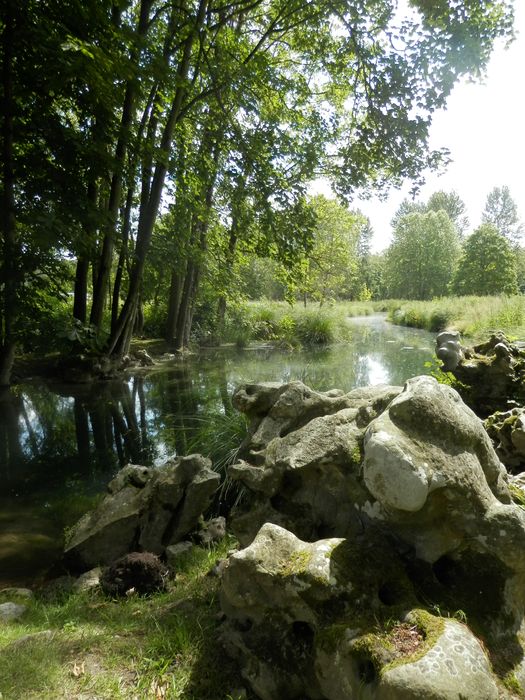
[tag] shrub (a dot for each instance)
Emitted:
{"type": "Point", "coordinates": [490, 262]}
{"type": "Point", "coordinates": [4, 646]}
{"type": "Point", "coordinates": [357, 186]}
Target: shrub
{"type": "Point", "coordinates": [315, 329]}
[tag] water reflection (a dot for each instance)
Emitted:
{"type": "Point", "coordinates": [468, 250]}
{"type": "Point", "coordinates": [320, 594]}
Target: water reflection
{"type": "Point", "coordinates": [50, 434]}
{"type": "Point", "coordinates": [62, 443]}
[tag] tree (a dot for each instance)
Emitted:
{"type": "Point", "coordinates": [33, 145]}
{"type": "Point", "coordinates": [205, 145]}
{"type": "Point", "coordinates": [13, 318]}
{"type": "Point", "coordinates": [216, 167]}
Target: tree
{"type": "Point", "coordinates": [487, 265]}
{"type": "Point", "coordinates": [501, 211]}
{"type": "Point", "coordinates": [363, 253]}
{"type": "Point", "coordinates": [330, 266]}
{"type": "Point", "coordinates": [422, 258]}
{"type": "Point", "coordinates": [452, 204]}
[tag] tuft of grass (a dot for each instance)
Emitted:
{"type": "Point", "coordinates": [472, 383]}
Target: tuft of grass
{"type": "Point", "coordinates": [280, 323]}
{"type": "Point", "coordinates": [86, 645]}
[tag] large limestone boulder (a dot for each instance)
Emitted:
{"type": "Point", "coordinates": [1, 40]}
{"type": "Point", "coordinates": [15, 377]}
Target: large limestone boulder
{"type": "Point", "coordinates": [337, 620]}
{"type": "Point", "coordinates": [364, 514]}
{"type": "Point", "coordinates": [301, 460]}
{"type": "Point", "coordinates": [449, 349]}
{"type": "Point", "coordinates": [145, 509]}
{"type": "Point", "coordinates": [403, 664]}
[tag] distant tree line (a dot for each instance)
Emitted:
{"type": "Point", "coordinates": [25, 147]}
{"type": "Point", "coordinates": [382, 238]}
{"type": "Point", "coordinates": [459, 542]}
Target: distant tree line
{"type": "Point", "coordinates": [431, 255]}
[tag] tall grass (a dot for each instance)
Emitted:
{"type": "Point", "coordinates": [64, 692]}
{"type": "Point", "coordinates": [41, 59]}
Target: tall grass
{"type": "Point", "coordinates": [472, 316]}
{"type": "Point", "coordinates": [291, 326]}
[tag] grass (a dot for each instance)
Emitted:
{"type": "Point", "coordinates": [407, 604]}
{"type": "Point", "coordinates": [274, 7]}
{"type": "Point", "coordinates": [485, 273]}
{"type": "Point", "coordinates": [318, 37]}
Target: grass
{"type": "Point", "coordinates": [280, 323]}
{"type": "Point", "coordinates": [474, 317]}
{"type": "Point", "coordinates": [162, 646]}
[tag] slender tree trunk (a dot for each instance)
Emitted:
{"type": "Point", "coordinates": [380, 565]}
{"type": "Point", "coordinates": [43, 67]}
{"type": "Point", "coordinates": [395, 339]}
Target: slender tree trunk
{"type": "Point", "coordinates": [184, 306]}
{"type": "Point", "coordinates": [121, 335]}
{"type": "Point", "coordinates": [8, 311]}
{"type": "Point", "coordinates": [230, 255]}
{"type": "Point", "coordinates": [81, 285]}
{"type": "Point", "coordinates": [128, 111]}
{"type": "Point", "coordinates": [173, 305]}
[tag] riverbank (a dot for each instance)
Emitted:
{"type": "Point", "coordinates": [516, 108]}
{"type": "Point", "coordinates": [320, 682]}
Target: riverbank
{"type": "Point", "coordinates": [474, 317]}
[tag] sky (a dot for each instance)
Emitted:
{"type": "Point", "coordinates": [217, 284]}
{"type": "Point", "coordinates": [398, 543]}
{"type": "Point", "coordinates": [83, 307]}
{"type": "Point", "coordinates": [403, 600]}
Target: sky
{"type": "Point", "coordinates": [483, 126]}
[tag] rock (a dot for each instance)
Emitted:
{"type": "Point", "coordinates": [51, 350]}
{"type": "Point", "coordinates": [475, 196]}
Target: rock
{"type": "Point", "coordinates": [57, 588]}
{"type": "Point", "coordinates": [306, 478]}
{"type": "Point", "coordinates": [11, 611]}
{"type": "Point", "coordinates": [175, 552]}
{"type": "Point", "coordinates": [219, 568]}
{"type": "Point", "coordinates": [146, 509]}
{"type": "Point", "coordinates": [19, 593]}
{"type": "Point", "coordinates": [453, 666]}
{"type": "Point", "coordinates": [449, 349]}
{"type": "Point", "coordinates": [276, 410]}
{"type": "Point", "coordinates": [141, 572]}
{"type": "Point", "coordinates": [507, 431]}
{"type": "Point", "coordinates": [130, 475]}
{"type": "Point", "coordinates": [212, 531]}
{"type": "Point", "coordinates": [88, 580]}
{"type": "Point", "coordinates": [106, 533]}
{"type": "Point", "coordinates": [178, 495]}
{"type": "Point", "coordinates": [353, 517]}
{"type": "Point", "coordinates": [43, 636]}
{"type": "Point", "coordinates": [493, 375]}
{"type": "Point", "coordinates": [143, 358]}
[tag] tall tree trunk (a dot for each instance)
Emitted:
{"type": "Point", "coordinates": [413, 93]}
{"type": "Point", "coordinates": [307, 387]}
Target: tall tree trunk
{"type": "Point", "coordinates": [121, 335]}
{"type": "Point", "coordinates": [128, 111]}
{"type": "Point", "coordinates": [8, 311]}
{"type": "Point", "coordinates": [230, 255]}
{"type": "Point", "coordinates": [173, 305]}
{"type": "Point", "coordinates": [81, 285]}
{"type": "Point", "coordinates": [184, 306]}
{"type": "Point", "coordinates": [201, 224]}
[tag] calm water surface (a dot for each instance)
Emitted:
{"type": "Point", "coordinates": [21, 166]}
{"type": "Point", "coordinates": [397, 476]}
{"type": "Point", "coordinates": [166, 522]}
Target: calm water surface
{"type": "Point", "coordinates": [60, 445]}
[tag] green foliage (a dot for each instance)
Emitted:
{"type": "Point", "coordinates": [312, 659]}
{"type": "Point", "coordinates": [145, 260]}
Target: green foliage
{"type": "Point", "coordinates": [154, 319]}
{"type": "Point", "coordinates": [487, 265]}
{"type": "Point", "coordinates": [314, 328]}
{"type": "Point", "coordinates": [501, 211]}
{"type": "Point", "coordinates": [329, 270]}
{"type": "Point", "coordinates": [452, 204]}
{"type": "Point", "coordinates": [291, 326]}
{"type": "Point", "coordinates": [82, 337]}
{"type": "Point", "coordinates": [422, 257]}
{"type": "Point", "coordinates": [113, 105]}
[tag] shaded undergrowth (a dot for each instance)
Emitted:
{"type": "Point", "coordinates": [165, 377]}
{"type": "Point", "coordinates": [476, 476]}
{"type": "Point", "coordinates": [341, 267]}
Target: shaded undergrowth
{"type": "Point", "coordinates": [84, 645]}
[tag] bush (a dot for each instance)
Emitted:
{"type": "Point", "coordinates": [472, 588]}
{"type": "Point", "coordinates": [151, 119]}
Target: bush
{"type": "Point", "coordinates": [315, 328]}
{"type": "Point", "coordinates": [155, 316]}
{"type": "Point", "coordinates": [439, 320]}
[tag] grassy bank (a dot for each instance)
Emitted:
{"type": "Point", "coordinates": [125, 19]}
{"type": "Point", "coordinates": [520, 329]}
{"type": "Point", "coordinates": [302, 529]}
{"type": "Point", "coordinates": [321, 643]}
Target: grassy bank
{"type": "Point", "coordinates": [293, 326]}
{"type": "Point", "coordinates": [84, 645]}
{"type": "Point", "coordinates": [473, 317]}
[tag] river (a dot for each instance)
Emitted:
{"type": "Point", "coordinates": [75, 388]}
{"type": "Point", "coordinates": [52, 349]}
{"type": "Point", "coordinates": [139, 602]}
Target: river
{"type": "Point", "coordinates": [60, 445]}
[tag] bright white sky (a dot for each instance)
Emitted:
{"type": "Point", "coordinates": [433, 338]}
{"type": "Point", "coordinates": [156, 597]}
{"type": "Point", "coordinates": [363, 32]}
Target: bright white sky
{"type": "Point", "coordinates": [483, 126]}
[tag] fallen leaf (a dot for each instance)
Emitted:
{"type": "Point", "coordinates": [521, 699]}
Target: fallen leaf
{"type": "Point", "coordinates": [78, 670]}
